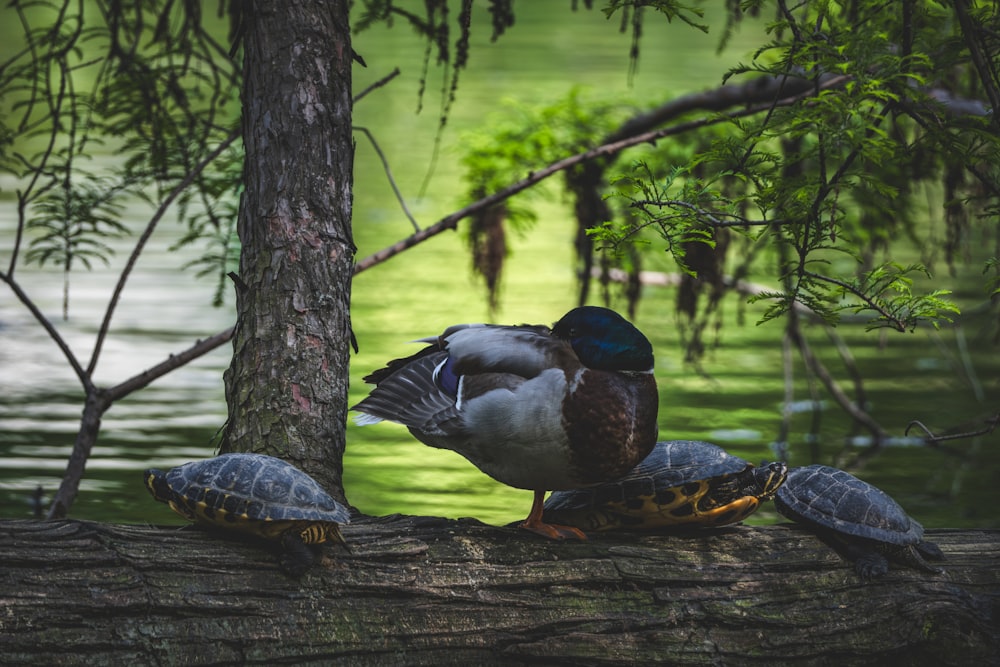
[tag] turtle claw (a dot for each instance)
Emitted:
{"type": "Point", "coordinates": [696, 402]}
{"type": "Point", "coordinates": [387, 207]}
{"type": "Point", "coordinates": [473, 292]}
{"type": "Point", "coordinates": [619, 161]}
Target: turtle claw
{"type": "Point", "coordinates": [929, 550]}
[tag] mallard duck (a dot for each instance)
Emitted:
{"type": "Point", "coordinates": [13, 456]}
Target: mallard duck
{"type": "Point", "coordinates": [532, 407]}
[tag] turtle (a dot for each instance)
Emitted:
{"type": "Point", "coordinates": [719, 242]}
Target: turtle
{"type": "Point", "coordinates": [680, 483]}
{"type": "Point", "coordinates": [258, 495]}
{"type": "Point", "coordinates": [858, 520]}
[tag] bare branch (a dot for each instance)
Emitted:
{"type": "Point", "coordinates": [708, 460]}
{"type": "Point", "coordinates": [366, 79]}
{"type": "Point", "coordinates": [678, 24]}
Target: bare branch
{"type": "Point", "coordinates": [97, 403]}
{"type": "Point", "coordinates": [53, 333]}
{"type": "Point", "coordinates": [378, 84]}
{"type": "Point", "coordinates": [758, 90]}
{"type": "Point", "coordinates": [388, 175]}
{"type": "Point", "coordinates": [146, 234]}
{"type": "Point", "coordinates": [451, 221]}
{"type": "Point", "coordinates": [991, 425]}
{"type": "Point", "coordinates": [817, 367]}
{"type": "Point", "coordinates": [172, 362]}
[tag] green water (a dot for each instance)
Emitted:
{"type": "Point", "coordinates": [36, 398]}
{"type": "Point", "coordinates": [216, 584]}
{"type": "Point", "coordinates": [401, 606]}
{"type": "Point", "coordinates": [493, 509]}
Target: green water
{"type": "Point", "coordinates": [735, 399]}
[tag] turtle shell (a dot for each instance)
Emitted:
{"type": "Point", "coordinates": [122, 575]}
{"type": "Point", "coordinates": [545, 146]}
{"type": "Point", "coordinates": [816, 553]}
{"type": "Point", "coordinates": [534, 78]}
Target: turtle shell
{"type": "Point", "coordinates": [837, 500]}
{"type": "Point", "coordinates": [254, 493]}
{"type": "Point", "coordinates": [680, 482]}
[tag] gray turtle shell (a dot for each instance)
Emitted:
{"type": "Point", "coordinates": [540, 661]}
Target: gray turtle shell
{"type": "Point", "coordinates": [672, 463]}
{"type": "Point", "coordinates": [837, 500]}
{"type": "Point", "coordinates": [261, 487]}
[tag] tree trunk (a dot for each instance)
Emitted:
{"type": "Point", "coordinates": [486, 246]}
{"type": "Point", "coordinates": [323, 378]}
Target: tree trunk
{"type": "Point", "coordinates": [287, 384]}
{"type": "Point", "coordinates": [424, 591]}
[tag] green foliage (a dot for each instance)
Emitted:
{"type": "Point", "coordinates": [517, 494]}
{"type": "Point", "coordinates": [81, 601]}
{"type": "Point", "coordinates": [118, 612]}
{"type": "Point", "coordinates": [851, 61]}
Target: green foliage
{"type": "Point", "coordinates": [70, 224]}
{"type": "Point", "coordinates": [522, 138]}
{"type": "Point", "coordinates": [816, 187]}
{"type": "Point", "coordinates": [107, 105]}
{"type": "Point", "coordinates": [837, 172]}
{"type": "Point", "coordinates": [670, 9]}
{"type": "Point", "coordinates": [515, 142]}
{"type": "Point", "coordinates": [887, 292]}
{"type": "Point", "coordinates": [884, 292]}
{"type": "Point", "coordinates": [993, 283]}
{"type": "Point", "coordinates": [679, 218]}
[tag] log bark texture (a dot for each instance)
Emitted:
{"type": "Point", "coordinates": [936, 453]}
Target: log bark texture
{"type": "Point", "coordinates": [427, 591]}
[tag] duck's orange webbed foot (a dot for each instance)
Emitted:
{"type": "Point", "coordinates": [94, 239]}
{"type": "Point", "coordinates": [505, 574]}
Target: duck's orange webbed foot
{"type": "Point", "coordinates": [553, 531]}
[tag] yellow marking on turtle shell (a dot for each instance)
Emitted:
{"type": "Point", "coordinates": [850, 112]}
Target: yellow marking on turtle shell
{"type": "Point", "coordinates": [314, 532]}
{"type": "Point", "coordinates": [693, 506]}
{"type": "Point", "coordinates": [182, 510]}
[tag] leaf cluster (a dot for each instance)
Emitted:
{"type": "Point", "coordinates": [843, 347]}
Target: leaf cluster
{"type": "Point", "coordinates": [105, 104]}
{"type": "Point", "coordinates": [838, 173]}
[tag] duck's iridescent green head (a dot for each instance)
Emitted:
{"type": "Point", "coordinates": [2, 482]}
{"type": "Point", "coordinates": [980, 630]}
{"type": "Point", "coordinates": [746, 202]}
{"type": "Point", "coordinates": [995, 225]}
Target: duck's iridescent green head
{"type": "Point", "coordinates": [604, 340]}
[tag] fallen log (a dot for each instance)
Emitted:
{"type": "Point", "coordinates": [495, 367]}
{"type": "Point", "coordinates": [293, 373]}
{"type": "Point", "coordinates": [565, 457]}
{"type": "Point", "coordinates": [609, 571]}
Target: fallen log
{"type": "Point", "coordinates": [428, 591]}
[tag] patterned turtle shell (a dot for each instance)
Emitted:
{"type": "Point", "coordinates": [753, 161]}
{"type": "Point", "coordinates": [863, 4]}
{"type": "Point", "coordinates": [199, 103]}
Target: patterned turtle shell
{"type": "Point", "coordinates": [680, 483]}
{"type": "Point", "coordinates": [255, 494]}
{"type": "Point", "coordinates": [859, 520]}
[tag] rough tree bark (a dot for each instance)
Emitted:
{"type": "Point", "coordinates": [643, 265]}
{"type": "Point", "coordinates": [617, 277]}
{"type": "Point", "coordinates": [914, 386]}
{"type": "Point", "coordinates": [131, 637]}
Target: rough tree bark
{"type": "Point", "coordinates": [287, 384]}
{"type": "Point", "coordinates": [423, 591]}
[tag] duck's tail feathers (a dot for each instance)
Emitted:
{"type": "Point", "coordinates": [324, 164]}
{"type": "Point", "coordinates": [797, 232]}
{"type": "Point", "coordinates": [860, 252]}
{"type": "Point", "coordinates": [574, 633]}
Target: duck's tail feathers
{"type": "Point", "coordinates": [364, 419]}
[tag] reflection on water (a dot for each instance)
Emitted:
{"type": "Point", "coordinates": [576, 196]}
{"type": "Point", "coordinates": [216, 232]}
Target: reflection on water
{"type": "Point", "coordinates": [738, 399]}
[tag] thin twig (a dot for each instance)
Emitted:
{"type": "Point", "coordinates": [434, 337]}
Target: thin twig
{"type": "Point", "coordinates": [967, 365]}
{"type": "Point", "coordinates": [932, 438]}
{"type": "Point", "coordinates": [850, 364]}
{"type": "Point", "coordinates": [843, 400]}
{"type": "Point", "coordinates": [53, 333]}
{"type": "Point", "coordinates": [141, 242]}
{"type": "Point", "coordinates": [139, 381]}
{"type": "Point", "coordinates": [378, 84]}
{"type": "Point", "coordinates": [897, 323]}
{"type": "Point", "coordinates": [704, 215]}
{"type": "Point", "coordinates": [388, 175]}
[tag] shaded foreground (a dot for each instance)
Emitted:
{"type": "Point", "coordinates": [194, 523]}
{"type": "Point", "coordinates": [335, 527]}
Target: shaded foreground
{"type": "Point", "coordinates": [419, 590]}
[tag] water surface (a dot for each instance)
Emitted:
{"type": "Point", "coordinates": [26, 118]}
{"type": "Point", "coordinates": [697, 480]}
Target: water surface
{"type": "Point", "coordinates": [737, 399]}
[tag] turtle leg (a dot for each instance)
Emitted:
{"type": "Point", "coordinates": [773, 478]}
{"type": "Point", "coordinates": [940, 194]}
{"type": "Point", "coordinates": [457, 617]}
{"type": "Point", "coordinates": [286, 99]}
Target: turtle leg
{"type": "Point", "coordinates": [914, 555]}
{"type": "Point", "coordinates": [298, 556]}
{"type": "Point", "coordinates": [929, 550]}
{"type": "Point", "coordinates": [868, 562]}
{"type": "Point", "coordinates": [552, 531]}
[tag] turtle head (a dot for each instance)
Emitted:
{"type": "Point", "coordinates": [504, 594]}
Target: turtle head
{"type": "Point", "coordinates": [156, 484]}
{"type": "Point", "coordinates": [769, 477]}
{"type": "Point", "coordinates": [159, 488]}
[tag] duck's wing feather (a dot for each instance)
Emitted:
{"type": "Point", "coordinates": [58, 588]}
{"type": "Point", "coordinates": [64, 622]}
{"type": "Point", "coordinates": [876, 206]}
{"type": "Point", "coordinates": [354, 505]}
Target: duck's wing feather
{"type": "Point", "coordinates": [410, 396]}
{"type": "Point", "coordinates": [378, 376]}
{"type": "Point", "coordinates": [425, 391]}
{"type": "Point", "coordinates": [525, 351]}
